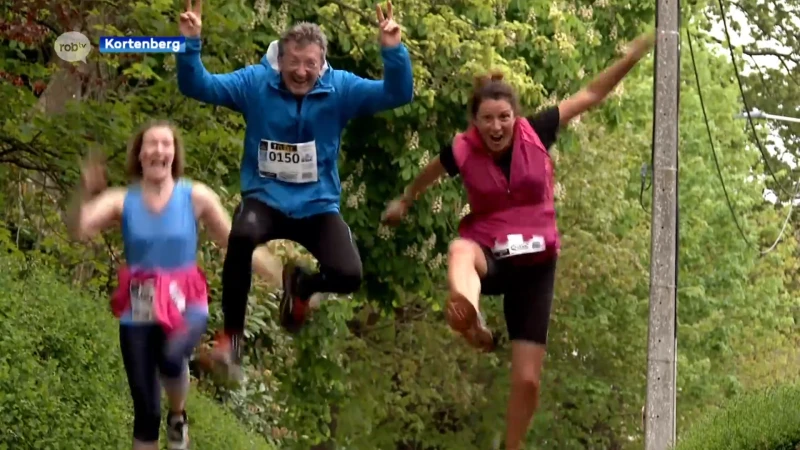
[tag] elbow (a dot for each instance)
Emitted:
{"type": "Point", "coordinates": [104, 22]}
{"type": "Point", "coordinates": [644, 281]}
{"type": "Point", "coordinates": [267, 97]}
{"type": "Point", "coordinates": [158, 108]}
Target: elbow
{"type": "Point", "coordinates": [406, 92]}
{"type": "Point", "coordinates": [187, 87]}
{"type": "Point", "coordinates": [183, 87]}
{"type": "Point", "coordinates": [192, 82]}
{"type": "Point", "coordinates": [402, 95]}
{"type": "Point", "coordinates": [407, 95]}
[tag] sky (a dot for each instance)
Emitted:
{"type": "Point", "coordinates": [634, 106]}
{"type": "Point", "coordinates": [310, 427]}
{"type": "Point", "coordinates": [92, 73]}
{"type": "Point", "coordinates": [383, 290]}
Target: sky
{"type": "Point", "coordinates": [776, 147]}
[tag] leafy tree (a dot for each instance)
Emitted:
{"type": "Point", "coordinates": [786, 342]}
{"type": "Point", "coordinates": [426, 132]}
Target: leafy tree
{"type": "Point", "coordinates": [380, 369]}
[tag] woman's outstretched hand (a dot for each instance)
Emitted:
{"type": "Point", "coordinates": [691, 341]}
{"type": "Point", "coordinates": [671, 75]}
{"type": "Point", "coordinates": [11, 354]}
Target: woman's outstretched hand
{"type": "Point", "coordinates": [93, 175]}
{"type": "Point", "coordinates": [394, 212]}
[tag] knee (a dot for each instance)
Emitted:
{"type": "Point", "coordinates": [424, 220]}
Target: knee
{"type": "Point", "coordinates": [348, 277]}
{"type": "Point", "coordinates": [146, 422]}
{"type": "Point", "coordinates": [526, 382]}
{"type": "Point", "coordinates": [461, 249]}
{"type": "Point", "coordinates": [246, 231]}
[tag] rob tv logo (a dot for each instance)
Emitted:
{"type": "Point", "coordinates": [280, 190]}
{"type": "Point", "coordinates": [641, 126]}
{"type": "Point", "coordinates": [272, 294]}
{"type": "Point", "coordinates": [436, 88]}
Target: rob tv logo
{"type": "Point", "coordinates": [72, 46]}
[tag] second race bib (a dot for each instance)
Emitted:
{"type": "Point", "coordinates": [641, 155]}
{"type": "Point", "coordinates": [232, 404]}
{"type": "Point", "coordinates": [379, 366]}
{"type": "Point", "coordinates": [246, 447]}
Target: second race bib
{"type": "Point", "coordinates": [516, 245]}
{"type": "Point", "coordinates": [143, 296]}
{"type": "Point", "coordinates": [292, 163]}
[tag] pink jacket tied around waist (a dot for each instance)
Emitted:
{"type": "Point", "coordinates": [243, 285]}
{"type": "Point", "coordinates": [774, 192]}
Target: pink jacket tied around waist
{"type": "Point", "coordinates": [174, 291]}
{"type": "Point", "coordinates": [523, 205]}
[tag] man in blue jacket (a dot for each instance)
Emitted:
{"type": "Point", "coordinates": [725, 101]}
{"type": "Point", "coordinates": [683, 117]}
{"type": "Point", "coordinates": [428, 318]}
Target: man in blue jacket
{"type": "Point", "coordinates": [295, 106]}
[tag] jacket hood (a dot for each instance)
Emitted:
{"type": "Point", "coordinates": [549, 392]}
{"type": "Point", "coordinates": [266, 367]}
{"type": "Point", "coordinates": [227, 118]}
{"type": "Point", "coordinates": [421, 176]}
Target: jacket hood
{"type": "Point", "coordinates": [271, 59]}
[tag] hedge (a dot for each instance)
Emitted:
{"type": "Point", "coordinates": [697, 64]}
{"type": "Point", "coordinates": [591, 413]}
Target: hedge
{"type": "Point", "coordinates": [768, 419]}
{"type": "Point", "coordinates": [62, 383]}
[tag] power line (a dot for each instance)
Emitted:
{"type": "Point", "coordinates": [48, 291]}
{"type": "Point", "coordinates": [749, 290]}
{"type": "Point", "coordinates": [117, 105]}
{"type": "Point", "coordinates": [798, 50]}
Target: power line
{"type": "Point", "coordinates": [719, 171]}
{"type": "Point", "coordinates": [711, 141]}
{"type": "Point", "coordinates": [744, 100]}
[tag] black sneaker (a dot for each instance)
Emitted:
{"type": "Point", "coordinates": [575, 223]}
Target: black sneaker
{"type": "Point", "coordinates": [294, 310]}
{"type": "Point", "coordinates": [177, 431]}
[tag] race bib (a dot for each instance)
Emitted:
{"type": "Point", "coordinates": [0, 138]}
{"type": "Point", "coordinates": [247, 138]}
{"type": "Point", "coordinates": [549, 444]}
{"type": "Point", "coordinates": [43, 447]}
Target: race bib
{"type": "Point", "coordinates": [143, 296]}
{"type": "Point", "coordinates": [516, 245]}
{"type": "Point", "coordinates": [177, 297]}
{"type": "Point", "coordinates": [292, 163]}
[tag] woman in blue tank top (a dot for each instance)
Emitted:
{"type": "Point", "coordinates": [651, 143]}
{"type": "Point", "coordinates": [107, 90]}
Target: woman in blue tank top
{"type": "Point", "coordinates": [162, 297]}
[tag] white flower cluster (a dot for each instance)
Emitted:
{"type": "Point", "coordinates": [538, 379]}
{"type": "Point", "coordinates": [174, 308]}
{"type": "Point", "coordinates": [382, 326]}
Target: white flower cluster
{"type": "Point", "coordinates": [357, 198]}
{"type": "Point", "coordinates": [565, 42]}
{"type": "Point", "coordinates": [436, 261]}
{"type": "Point", "coordinates": [500, 9]}
{"type": "Point", "coordinates": [511, 37]}
{"type": "Point", "coordinates": [421, 252]}
{"type": "Point", "coordinates": [436, 208]}
{"type": "Point", "coordinates": [262, 9]}
{"type": "Point", "coordinates": [424, 159]}
{"type": "Point", "coordinates": [411, 251]}
{"type": "Point", "coordinates": [283, 17]}
{"type": "Point", "coordinates": [347, 184]}
{"type": "Point", "coordinates": [552, 100]}
{"type": "Point", "coordinates": [359, 167]}
{"type": "Point", "coordinates": [555, 12]}
{"type": "Point", "coordinates": [464, 211]}
{"type": "Point", "coordinates": [585, 12]}
{"type": "Point", "coordinates": [413, 140]}
{"type": "Point", "coordinates": [593, 37]}
{"type": "Point", "coordinates": [531, 17]}
{"type": "Point", "coordinates": [169, 63]}
{"type": "Point", "coordinates": [558, 191]}
{"type": "Point", "coordinates": [385, 232]}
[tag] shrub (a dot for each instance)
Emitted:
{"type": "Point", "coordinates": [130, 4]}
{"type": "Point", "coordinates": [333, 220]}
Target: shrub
{"type": "Point", "coordinates": [62, 383]}
{"type": "Point", "coordinates": [763, 420]}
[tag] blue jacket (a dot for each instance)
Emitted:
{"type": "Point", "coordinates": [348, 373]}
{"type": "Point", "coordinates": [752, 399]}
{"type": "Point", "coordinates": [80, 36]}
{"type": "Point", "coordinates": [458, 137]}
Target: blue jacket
{"type": "Point", "coordinates": [272, 113]}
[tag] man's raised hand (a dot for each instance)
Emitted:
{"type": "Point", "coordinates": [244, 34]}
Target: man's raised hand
{"type": "Point", "coordinates": [190, 23]}
{"type": "Point", "coordinates": [389, 29]}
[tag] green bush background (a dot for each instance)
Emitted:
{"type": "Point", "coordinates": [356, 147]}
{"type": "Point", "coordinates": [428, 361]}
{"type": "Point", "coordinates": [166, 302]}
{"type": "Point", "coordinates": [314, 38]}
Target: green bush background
{"type": "Point", "coordinates": [62, 383]}
{"type": "Point", "coordinates": [766, 419]}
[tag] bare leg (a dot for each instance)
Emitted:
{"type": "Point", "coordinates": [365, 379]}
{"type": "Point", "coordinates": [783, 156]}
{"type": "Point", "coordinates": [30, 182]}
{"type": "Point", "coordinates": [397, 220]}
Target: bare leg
{"type": "Point", "coordinates": [527, 359]}
{"type": "Point", "coordinates": [466, 265]}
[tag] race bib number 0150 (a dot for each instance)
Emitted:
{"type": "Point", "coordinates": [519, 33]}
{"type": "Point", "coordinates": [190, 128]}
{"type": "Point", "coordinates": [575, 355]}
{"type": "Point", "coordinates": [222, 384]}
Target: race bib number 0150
{"type": "Point", "coordinates": [516, 245]}
{"type": "Point", "coordinates": [292, 163]}
{"type": "Point", "coordinates": [143, 296]}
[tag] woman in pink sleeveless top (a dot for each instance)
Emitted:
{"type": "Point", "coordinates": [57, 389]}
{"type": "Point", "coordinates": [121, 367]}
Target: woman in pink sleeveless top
{"type": "Point", "coordinates": [509, 243]}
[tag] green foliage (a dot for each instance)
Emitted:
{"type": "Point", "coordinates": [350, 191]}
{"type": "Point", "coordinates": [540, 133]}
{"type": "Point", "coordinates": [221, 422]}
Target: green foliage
{"type": "Point", "coordinates": [761, 420]}
{"type": "Point", "coordinates": [380, 369]}
{"type": "Point", "coordinates": [62, 383]}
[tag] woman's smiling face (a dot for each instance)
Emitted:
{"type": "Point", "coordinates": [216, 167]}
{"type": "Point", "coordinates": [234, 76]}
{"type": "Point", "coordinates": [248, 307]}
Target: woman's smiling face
{"type": "Point", "coordinates": [157, 154]}
{"type": "Point", "coordinates": [495, 122]}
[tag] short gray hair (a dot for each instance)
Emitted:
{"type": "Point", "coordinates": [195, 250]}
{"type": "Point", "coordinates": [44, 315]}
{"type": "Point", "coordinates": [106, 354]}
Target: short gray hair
{"type": "Point", "coordinates": [304, 33]}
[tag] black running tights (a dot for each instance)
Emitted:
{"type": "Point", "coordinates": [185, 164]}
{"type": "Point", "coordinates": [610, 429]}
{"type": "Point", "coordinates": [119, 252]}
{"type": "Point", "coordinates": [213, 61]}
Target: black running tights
{"type": "Point", "coordinates": [326, 236]}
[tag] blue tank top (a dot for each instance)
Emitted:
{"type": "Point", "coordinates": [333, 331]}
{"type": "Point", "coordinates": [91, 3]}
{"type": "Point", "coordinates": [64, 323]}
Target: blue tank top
{"type": "Point", "coordinates": [165, 240]}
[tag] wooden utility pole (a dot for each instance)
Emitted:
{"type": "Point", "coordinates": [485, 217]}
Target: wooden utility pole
{"type": "Point", "coordinates": [660, 408]}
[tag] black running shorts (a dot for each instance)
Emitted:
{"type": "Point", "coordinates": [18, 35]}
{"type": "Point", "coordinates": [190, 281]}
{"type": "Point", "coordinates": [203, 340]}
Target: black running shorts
{"type": "Point", "coordinates": [527, 290]}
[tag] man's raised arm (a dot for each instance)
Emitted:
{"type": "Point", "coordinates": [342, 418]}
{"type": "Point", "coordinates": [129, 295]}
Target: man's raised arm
{"type": "Point", "coordinates": [194, 81]}
{"type": "Point", "coordinates": [363, 97]}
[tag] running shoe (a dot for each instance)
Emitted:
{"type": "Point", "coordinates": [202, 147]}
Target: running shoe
{"type": "Point", "coordinates": [226, 357]}
{"type": "Point", "coordinates": [294, 310]}
{"type": "Point", "coordinates": [177, 431]}
{"type": "Point", "coordinates": [464, 318]}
